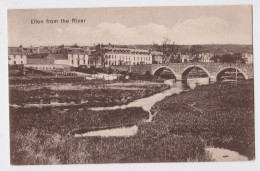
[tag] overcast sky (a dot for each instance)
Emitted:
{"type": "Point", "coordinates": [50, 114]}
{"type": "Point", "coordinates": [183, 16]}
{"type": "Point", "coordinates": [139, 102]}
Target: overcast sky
{"type": "Point", "coordinates": [140, 25]}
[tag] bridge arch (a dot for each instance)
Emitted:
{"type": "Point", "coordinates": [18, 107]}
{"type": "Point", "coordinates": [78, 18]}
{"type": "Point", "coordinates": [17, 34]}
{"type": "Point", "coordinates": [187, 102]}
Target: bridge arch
{"type": "Point", "coordinates": [226, 68]}
{"type": "Point", "coordinates": [189, 68]}
{"type": "Point", "coordinates": [164, 67]}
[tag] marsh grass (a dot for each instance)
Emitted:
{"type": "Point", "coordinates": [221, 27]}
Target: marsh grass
{"type": "Point", "coordinates": [222, 114]}
{"type": "Point", "coordinates": [184, 124]}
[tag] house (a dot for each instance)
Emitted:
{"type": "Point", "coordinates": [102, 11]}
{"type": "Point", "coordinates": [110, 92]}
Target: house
{"type": "Point", "coordinates": [60, 59]}
{"type": "Point", "coordinates": [16, 56]}
{"type": "Point", "coordinates": [47, 62]}
{"type": "Point", "coordinates": [248, 57]}
{"type": "Point", "coordinates": [184, 57]}
{"type": "Point", "coordinates": [206, 57]}
{"type": "Point", "coordinates": [77, 57]}
{"type": "Point", "coordinates": [157, 57]}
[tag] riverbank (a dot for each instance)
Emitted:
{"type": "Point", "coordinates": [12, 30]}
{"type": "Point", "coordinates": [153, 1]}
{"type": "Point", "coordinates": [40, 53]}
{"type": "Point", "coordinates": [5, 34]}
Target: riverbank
{"type": "Point", "coordinates": [222, 114]}
{"type": "Point", "coordinates": [39, 93]}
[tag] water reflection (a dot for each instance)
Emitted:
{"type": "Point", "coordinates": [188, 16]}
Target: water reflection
{"type": "Point", "coordinates": [114, 132]}
{"type": "Point", "coordinates": [220, 154]}
{"type": "Point", "coordinates": [146, 103]}
{"type": "Point", "coordinates": [193, 82]}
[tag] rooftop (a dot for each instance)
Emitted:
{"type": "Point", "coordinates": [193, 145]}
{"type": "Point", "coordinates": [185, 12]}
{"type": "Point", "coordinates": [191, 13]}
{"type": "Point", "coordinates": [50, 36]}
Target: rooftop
{"type": "Point", "coordinates": [15, 51]}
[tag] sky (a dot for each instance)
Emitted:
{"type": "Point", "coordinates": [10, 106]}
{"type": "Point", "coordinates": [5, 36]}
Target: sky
{"type": "Point", "coordinates": [132, 25]}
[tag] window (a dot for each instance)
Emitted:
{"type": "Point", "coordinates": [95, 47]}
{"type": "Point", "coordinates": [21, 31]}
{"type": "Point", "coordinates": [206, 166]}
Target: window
{"type": "Point", "coordinates": [21, 62]}
{"type": "Point", "coordinates": [84, 62]}
{"type": "Point", "coordinates": [14, 62]}
{"type": "Point", "coordinates": [71, 61]}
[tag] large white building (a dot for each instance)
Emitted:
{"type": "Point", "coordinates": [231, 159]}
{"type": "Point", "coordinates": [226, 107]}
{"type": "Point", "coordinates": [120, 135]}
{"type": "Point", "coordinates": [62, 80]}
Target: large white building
{"type": "Point", "coordinates": [126, 56]}
{"type": "Point", "coordinates": [16, 56]}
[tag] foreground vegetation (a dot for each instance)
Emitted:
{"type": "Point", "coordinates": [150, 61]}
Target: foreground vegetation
{"type": "Point", "coordinates": [69, 121]}
{"type": "Point", "coordinates": [220, 114]}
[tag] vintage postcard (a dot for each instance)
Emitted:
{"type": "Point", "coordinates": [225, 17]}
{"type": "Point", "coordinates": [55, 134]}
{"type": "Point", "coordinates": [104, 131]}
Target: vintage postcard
{"type": "Point", "coordinates": [131, 85]}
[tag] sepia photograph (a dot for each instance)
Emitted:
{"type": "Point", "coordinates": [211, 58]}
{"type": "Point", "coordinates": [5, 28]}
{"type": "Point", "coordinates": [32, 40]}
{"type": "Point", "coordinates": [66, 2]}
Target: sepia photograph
{"type": "Point", "coordinates": [131, 85]}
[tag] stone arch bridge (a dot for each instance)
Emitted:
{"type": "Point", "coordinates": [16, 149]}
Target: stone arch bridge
{"type": "Point", "coordinates": [179, 70]}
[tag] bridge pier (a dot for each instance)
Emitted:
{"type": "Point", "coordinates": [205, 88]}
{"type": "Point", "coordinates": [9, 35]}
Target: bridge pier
{"type": "Point", "coordinates": [178, 78]}
{"type": "Point", "coordinates": [212, 79]}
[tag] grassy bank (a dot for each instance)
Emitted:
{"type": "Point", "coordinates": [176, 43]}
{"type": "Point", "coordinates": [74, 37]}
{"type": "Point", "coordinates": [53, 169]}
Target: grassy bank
{"type": "Point", "coordinates": [67, 121]}
{"type": "Point", "coordinates": [222, 114]}
{"type": "Point", "coordinates": [90, 95]}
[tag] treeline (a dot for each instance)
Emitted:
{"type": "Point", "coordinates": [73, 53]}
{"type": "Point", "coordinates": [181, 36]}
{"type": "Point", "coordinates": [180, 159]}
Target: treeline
{"type": "Point", "coordinates": [218, 49]}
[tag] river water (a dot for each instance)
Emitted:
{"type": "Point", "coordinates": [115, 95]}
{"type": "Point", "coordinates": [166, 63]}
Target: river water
{"type": "Point", "coordinates": [145, 103]}
{"type": "Point", "coordinates": [224, 155]}
{"type": "Point", "coordinates": [217, 154]}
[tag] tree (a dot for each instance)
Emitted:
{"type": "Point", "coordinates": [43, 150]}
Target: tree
{"type": "Point", "coordinates": [75, 45]}
{"type": "Point", "coordinates": [61, 46]}
{"type": "Point", "coordinates": [229, 58]}
{"type": "Point", "coordinates": [169, 50]}
{"type": "Point", "coordinates": [216, 58]}
{"type": "Point", "coordinates": [195, 50]}
{"type": "Point", "coordinates": [98, 54]}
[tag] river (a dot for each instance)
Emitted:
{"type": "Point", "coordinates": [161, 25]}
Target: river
{"type": "Point", "coordinates": [217, 154]}
{"type": "Point", "coordinates": [145, 103]}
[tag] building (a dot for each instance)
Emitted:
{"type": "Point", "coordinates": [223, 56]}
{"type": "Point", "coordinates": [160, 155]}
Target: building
{"type": "Point", "coordinates": [157, 57]}
{"type": "Point", "coordinates": [248, 57]}
{"type": "Point", "coordinates": [206, 57]}
{"type": "Point", "coordinates": [77, 57]}
{"type": "Point", "coordinates": [126, 56]}
{"type": "Point", "coordinates": [184, 57]}
{"type": "Point", "coordinates": [59, 59]}
{"type": "Point", "coordinates": [16, 56]}
{"type": "Point", "coordinates": [47, 62]}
